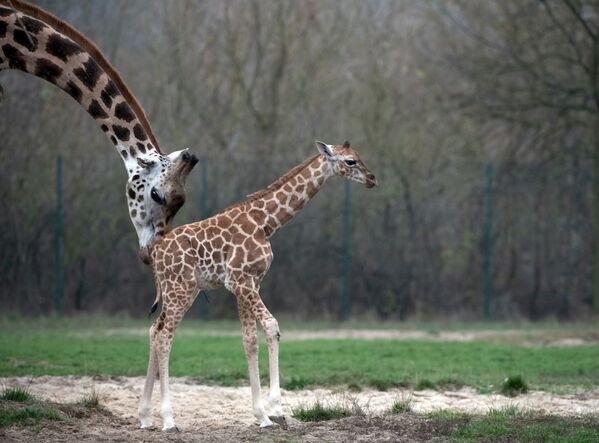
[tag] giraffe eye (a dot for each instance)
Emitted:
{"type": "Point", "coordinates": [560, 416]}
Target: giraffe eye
{"type": "Point", "coordinates": [350, 162]}
{"type": "Point", "coordinates": [156, 197]}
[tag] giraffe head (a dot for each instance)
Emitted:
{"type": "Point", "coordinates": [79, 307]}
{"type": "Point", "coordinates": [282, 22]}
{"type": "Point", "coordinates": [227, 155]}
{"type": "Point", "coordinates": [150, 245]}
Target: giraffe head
{"type": "Point", "coordinates": [155, 192]}
{"type": "Point", "coordinates": [346, 162]}
{"type": "Point", "coordinates": [37, 42]}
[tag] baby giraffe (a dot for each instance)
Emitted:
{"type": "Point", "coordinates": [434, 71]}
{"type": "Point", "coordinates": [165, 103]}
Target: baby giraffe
{"type": "Point", "coordinates": [232, 249]}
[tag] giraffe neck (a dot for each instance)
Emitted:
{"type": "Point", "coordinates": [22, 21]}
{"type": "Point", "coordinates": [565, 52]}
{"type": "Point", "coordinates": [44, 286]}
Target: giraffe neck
{"type": "Point", "coordinates": [281, 201]}
{"type": "Point", "coordinates": [61, 55]}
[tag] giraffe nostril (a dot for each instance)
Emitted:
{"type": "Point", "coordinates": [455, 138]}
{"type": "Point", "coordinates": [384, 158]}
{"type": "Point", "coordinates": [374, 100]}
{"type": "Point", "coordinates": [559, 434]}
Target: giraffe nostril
{"type": "Point", "coordinates": [371, 177]}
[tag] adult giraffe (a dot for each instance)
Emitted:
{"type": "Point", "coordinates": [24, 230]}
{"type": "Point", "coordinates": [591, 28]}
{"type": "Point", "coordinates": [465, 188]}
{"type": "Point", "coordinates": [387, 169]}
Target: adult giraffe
{"type": "Point", "coordinates": [232, 249]}
{"type": "Point", "coordinates": [34, 41]}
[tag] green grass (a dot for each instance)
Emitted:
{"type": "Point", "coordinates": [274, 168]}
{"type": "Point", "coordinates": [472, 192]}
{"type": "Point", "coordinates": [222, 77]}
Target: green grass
{"type": "Point", "coordinates": [103, 321]}
{"type": "Point", "coordinates": [321, 412]}
{"type": "Point", "coordinates": [514, 385]}
{"type": "Point", "coordinates": [425, 383]}
{"type": "Point", "coordinates": [295, 383]}
{"type": "Point", "coordinates": [16, 394]}
{"type": "Point", "coordinates": [485, 390]}
{"type": "Point", "coordinates": [113, 347]}
{"type": "Point", "coordinates": [354, 387]}
{"type": "Point", "coordinates": [19, 408]}
{"type": "Point", "coordinates": [525, 428]}
{"type": "Point", "coordinates": [30, 415]}
{"type": "Point", "coordinates": [92, 401]}
{"type": "Point", "coordinates": [381, 384]}
{"type": "Point", "coordinates": [449, 383]}
{"type": "Point", "coordinates": [401, 406]}
{"type": "Point", "coordinates": [513, 424]}
{"type": "Point", "coordinates": [508, 412]}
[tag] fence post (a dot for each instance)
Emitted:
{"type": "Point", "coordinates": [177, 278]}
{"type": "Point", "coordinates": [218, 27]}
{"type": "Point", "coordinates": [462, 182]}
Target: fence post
{"type": "Point", "coordinates": [488, 239]}
{"type": "Point", "coordinates": [59, 243]}
{"type": "Point", "coordinates": [346, 264]}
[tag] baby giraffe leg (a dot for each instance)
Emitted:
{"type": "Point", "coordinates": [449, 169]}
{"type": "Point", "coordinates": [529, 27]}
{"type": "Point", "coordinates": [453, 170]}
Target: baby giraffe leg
{"type": "Point", "coordinates": [250, 345]}
{"type": "Point", "coordinates": [163, 333]}
{"type": "Point", "coordinates": [145, 405]}
{"type": "Point", "coordinates": [247, 292]}
{"type": "Point", "coordinates": [273, 335]}
{"type": "Point", "coordinates": [271, 330]}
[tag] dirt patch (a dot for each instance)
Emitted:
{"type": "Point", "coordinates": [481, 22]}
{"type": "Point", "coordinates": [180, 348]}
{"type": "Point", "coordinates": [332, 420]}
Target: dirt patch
{"type": "Point", "coordinates": [107, 427]}
{"type": "Point", "coordinates": [212, 413]}
{"type": "Point", "coordinates": [524, 338]}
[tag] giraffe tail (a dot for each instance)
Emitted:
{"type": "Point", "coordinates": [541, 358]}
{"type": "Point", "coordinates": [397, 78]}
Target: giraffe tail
{"type": "Point", "coordinates": [158, 296]}
{"type": "Point", "coordinates": [153, 309]}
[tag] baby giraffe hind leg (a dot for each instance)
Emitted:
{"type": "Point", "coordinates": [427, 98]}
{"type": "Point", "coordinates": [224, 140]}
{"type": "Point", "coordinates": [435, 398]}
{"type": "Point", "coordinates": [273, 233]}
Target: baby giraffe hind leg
{"type": "Point", "coordinates": [248, 293]}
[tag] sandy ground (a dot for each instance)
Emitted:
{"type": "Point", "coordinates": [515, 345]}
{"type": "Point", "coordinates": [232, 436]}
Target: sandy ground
{"type": "Point", "coordinates": [534, 338]}
{"type": "Point", "coordinates": [212, 413]}
{"type": "Point", "coordinates": [523, 338]}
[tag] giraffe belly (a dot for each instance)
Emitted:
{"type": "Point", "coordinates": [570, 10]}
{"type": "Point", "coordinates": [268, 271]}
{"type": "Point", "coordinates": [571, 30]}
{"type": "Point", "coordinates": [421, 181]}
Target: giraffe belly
{"type": "Point", "coordinates": [208, 279]}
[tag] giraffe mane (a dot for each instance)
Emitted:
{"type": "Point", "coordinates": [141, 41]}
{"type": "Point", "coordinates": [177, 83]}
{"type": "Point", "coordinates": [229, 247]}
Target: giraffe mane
{"type": "Point", "coordinates": [93, 51]}
{"type": "Point", "coordinates": [283, 179]}
{"type": "Point", "coordinates": [276, 184]}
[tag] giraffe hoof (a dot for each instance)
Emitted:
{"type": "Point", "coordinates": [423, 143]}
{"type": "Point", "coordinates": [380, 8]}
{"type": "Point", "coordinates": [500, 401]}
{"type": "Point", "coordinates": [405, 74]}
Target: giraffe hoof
{"type": "Point", "coordinates": [280, 420]}
{"type": "Point", "coordinates": [145, 423]}
{"type": "Point", "coordinates": [266, 423]}
{"type": "Point", "coordinates": [172, 430]}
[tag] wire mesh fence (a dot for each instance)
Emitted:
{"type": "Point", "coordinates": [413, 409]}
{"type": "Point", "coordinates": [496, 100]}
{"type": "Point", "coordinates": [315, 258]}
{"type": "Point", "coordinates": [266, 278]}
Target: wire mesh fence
{"type": "Point", "coordinates": [511, 242]}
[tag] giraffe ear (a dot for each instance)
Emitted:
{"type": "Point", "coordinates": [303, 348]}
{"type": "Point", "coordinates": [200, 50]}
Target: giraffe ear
{"type": "Point", "coordinates": [324, 149]}
{"type": "Point", "coordinates": [145, 163]}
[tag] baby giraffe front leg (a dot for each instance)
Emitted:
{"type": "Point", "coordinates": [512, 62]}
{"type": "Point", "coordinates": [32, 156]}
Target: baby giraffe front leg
{"type": "Point", "coordinates": [163, 347]}
{"type": "Point", "coordinates": [250, 345]}
{"type": "Point", "coordinates": [271, 330]}
{"type": "Point", "coordinates": [162, 341]}
{"type": "Point", "coordinates": [145, 404]}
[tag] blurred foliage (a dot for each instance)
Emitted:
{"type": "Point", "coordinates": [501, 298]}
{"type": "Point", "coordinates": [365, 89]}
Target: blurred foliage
{"type": "Point", "coordinates": [428, 92]}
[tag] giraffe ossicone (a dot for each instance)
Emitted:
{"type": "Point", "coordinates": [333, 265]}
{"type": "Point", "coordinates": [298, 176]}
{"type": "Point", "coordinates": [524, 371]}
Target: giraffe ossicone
{"type": "Point", "coordinates": [38, 43]}
{"type": "Point", "coordinates": [232, 249]}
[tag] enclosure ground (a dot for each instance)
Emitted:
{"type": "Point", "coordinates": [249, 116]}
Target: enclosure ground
{"type": "Point", "coordinates": [61, 361]}
{"type": "Point", "coordinates": [213, 413]}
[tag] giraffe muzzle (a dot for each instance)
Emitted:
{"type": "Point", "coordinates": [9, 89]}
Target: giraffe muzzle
{"type": "Point", "coordinates": [371, 181]}
{"type": "Point", "coordinates": [190, 158]}
{"type": "Point", "coordinates": [144, 254]}
{"type": "Point", "coordinates": [186, 163]}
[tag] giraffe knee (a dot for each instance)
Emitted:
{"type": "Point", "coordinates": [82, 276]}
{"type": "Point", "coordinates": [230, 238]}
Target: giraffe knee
{"type": "Point", "coordinates": [271, 329]}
